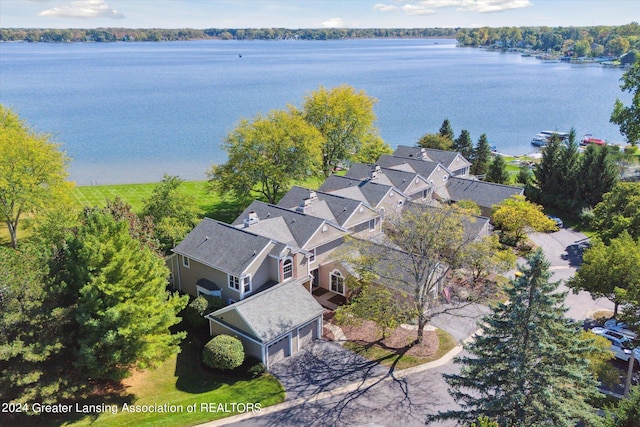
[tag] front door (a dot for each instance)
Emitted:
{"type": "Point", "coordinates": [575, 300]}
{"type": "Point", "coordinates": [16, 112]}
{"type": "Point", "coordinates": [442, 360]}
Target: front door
{"type": "Point", "coordinates": [316, 278]}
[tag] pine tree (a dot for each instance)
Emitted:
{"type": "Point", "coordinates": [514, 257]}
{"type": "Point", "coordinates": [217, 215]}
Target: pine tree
{"type": "Point", "coordinates": [596, 175]}
{"type": "Point", "coordinates": [569, 160]}
{"type": "Point", "coordinates": [548, 174]}
{"type": "Point", "coordinates": [464, 145]}
{"type": "Point", "coordinates": [481, 156]}
{"type": "Point", "coordinates": [497, 171]}
{"type": "Point", "coordinates": [446, 131]}
{"type": "Point", "coordinates": [528, 368]}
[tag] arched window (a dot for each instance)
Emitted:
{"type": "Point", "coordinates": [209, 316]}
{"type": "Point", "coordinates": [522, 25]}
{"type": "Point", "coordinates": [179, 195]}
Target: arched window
{"type": "Point", "coordinates": [287, 269]}
{"type": "Point", "coordinates": [337, 282]}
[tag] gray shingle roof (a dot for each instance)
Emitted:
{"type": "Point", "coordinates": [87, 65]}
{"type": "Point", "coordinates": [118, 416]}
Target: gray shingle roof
{"type": "Point", "coordinates": [446, 158]}
{"type": "Point", "coordinates": [222, 246]}
{"type": "Point", "coordinates": [269, 313]}
{"type": "Point", "coordinates": [301, 226]}
{"type": "Point", "coordinates": [485, 194]}
{"type": "Point", "coordinates": [423, 167]}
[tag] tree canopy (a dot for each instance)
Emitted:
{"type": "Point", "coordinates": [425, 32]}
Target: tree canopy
{"type": "Point", "coordinates": [497, 171]}
{"type": "Point", "coordinates": [529, 365]}
{"type": "Point", "coordinates": [481, 156]}
{"type": "Point", "coordinates": [628, 117]}
{"type": "Point", "coordinates": [345, 118]}
{"type": "Point", "coordinates": [266, 154]}
{"type": "Point", "coordinates": [515, 216]}
{"type": "Point", "coordinates": [33, 171]}
{"type": "Point", "coordinates": [464, 145]}
{"type": "Point", "coordinates": [435, 140]}
{"type": "Point", "coordinates": [446, 131]}
{"type": "Point", "coordinates": [619, 211]}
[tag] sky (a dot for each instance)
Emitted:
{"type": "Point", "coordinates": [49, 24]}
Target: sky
{"type": "Point", "coordinates": [201, 14]}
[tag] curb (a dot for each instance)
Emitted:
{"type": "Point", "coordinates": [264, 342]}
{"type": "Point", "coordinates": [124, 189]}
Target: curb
{"type": "Point", "coordinates": [446, 358]}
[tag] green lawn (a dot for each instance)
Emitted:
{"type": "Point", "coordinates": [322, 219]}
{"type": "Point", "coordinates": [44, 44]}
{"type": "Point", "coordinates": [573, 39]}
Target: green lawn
{"type": "Point", "coordinates": [396, 357]}
{"type": "Point", "coordinates": [182, 382]}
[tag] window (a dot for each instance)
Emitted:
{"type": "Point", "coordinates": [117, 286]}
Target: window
{"type": "Point", "coordinates": [287, 269]}
{"type": "Point", "coordinates": [246, 284]}
{"type": "Point", "coordinates": [234, 282]}
{"type": "Point", "coordinates": [337, 282]}
{"type": "Point", "coordinates": [185, 261]}
{"type": "Point", "coordinates": [372, 225]}
{"type": "Point", "coordinates": [400, 203]}
{"type": "Point", "coordinates": [312, 256]}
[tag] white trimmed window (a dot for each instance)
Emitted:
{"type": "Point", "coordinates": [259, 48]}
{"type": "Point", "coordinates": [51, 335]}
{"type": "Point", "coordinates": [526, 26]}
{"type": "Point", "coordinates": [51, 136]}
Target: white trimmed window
{"type": "Point", "coordinates": [234, 282]}
{"type": "Point", "coordinates": [312, 256]}
{"type": "Point", "coordinates": [372, 225]}
{"type": "Point", "coordinates": [337, 282]}
{"type": "Point", "coordinates": [246, 284]}
{"type": "Point", "coordinates": [185, 261]}
{"type": "Point", "coordinates": [287, 269]}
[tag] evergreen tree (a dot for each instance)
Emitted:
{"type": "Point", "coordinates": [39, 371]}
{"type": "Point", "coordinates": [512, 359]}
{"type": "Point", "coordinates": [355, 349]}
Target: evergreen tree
{"type": "Point", "coordinates": [446, 131]}
{"type": "Point", "coordinates": [596, 175]}
{"type": "Point", "coordinates": [124, 311]}
{"type": "Point", "coordinates": [481, 156]}
{"type": "Point", "coordinates": [548, 174]}
{"type": "Point", "coordinates": [497, 171]}
{"type": "Point", "coordinates": [569, 158]}
{"type": "Point", "coordinates": [529, 367]}
{"type": "Point", "coordinates": [464, 145]}
{"type": "Point", "coordinates": [524, 175]}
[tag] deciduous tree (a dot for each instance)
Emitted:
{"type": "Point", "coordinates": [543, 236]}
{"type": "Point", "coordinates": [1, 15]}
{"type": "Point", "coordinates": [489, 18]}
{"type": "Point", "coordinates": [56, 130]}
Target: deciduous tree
{"type": "Point", "coordinates": [33, 171]}
{"type": "Point", "coordinates": [435, 140]}
{"type": "Point", "coordinates": [515, 216]}
{"type": "Point", "coordinates": [619, 211]}
{"type": "Point", "coordinates": [528, 367]}
{"type": "Point", "coordinates": [628, 118]}
{"type": "Point", "coordinates": [267, 153]}
{"type": "Point", "coordinates": [371, 149]}
{"type": "Point", "coordinates": [608, 269]}
{"type": "Point", "coordinates": [344, 117]}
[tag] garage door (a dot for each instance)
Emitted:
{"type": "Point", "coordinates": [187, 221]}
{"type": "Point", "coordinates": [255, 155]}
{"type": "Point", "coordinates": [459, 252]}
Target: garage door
{"type": "Point", "coordinates": [278, 351]}
{"type": "Point", "coordinates": [307, 333]}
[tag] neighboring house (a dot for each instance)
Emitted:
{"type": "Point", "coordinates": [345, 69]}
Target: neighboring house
{"type": "Point", "coordinates": [453, 161]}
{"type": "Point", "coordinates": [410, 183]}
{"type": "Point", "coordinates": [433, 172]}
{"type": "Point", "coordinates": [273, 324]}
{"type": "Point", "coordinates": [484, 194]}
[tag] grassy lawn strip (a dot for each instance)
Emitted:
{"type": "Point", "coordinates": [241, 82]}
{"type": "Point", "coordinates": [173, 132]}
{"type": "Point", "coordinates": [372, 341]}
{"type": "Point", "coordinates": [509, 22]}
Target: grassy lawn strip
{"type": "Point", "coordinates": [390, 357]}
{"type": "Point", "coordinates": [181, 381]}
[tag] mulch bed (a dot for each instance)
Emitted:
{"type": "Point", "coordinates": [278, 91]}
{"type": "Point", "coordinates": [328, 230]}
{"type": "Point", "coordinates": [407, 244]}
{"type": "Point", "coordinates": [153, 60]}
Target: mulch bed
{"type": "Point", "coordinates": [398, 340]}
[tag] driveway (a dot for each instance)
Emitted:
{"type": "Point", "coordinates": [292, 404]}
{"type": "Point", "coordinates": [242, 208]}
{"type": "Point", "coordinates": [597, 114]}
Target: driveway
{"type": "Point", "coordinates": [323, 366]}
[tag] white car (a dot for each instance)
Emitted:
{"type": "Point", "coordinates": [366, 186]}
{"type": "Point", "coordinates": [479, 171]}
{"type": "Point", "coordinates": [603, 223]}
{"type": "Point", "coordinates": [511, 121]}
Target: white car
{"type": "Point", "coordinates": [621, 327]}
{"type": "Point", "coordinates": [621, 345]}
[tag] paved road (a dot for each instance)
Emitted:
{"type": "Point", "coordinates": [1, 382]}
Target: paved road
{"type": "Point", "coordinates": [389, 400]}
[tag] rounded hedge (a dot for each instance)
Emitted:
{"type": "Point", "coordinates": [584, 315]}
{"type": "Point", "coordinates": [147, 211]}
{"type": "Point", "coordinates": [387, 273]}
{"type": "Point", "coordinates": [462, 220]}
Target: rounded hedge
{"type": "Point", "coordinates": [223, 352]}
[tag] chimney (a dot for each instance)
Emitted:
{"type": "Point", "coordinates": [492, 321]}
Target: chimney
{"type": "Point", "coordinates": [423, 154]}
{"type": "Point", "coordinates": [312, 195]}
{"type": "Point", "coordinates": [305, 205]}
{"type": "Point", "coordinates": [375, 172]}
{"type": "Point", "coordinates": [251, 219]}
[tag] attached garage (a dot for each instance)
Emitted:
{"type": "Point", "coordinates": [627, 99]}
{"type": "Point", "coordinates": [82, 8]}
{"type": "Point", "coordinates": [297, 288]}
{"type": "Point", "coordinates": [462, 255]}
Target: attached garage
{"type": "Point", "coordinates": [274, 323]}
{"type": "Point", "coordinates": [278, 350]}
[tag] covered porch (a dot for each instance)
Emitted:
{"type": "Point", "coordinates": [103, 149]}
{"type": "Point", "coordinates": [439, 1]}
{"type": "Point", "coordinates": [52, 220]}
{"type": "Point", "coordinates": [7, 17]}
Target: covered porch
{"type": "Point", "coordinates": [328, 299]}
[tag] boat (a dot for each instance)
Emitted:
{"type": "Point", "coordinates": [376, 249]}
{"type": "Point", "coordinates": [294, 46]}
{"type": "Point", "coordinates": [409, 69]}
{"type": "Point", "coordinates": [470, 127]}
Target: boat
{"type": "Point", "coordinates": [539, 140]}
{"type": "Point", "coordinates": [543, 138]}
{"type": "Point", "coordinates": [589, 139]}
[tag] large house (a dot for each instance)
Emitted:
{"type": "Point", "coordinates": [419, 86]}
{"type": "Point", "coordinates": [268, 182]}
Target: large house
{"type": "Point", "coordinates": [278, 267]}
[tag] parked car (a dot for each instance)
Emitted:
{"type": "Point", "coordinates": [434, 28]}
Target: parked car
{"type": "Point", "coordinates": [557, 220]}
{"type": "Point", "coordinates": [621, 345]}
{"type": "Point", "coordinates": [621, 327]}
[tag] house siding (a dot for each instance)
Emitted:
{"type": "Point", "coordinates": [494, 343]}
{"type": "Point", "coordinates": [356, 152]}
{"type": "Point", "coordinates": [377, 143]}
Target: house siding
{"type": "Point", "coordinates": [324, 251]}
{"type": "Point", "coordinates": [189, 276]}
{"type": "Point", "coordinates": [250, 348]}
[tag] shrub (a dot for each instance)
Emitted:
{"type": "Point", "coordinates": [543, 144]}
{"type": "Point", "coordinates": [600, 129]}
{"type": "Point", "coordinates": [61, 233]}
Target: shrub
{"type": "Point", "coordinates": [255, 367]}
{"type": "Point", "coordinates": [198, 308]}
{"type": "Point", "coordinates": [223, 352]}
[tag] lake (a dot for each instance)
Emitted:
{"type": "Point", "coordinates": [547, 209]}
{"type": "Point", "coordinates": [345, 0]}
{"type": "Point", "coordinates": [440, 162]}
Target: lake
{"type": "Point", "coordinates": [128, 112]}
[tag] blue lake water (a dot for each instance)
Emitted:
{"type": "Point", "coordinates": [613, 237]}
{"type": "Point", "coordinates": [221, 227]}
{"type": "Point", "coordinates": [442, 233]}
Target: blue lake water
{"type": "Point", "coordinates": [128, 112]}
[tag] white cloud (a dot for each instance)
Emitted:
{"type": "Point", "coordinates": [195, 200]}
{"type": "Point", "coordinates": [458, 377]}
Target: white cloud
{"type": "Point", "coordinates": [384, 7]}
{"type": "Point", "coordinates": [426, 7]}
{"type": "Point", "coordinates": [83, 9]}
{"type": "Point", "coordinates": [334, 23]}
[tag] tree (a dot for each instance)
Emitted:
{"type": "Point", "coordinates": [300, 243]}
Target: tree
{"type": "Point", "coordinates": [618, 211]}
{"type": "Point", "coordinates": [481, 156]}
{"type": "Point", "coordinates": [446, 131]}
{"type": "Point", "coordinates": [607, 269]}
{"type": "Point", "coordinates": [123, 310]}
{"type": "Point", "coordinates": [344, 117]}
{"type": "Point", "coordinates": [464, 145]}
{"type": "Point", "coordinates": [596, 175]}
{"type": "Point", "coordinates": [524, 175]}
{"type": "Point", "coordinates": [528, 367]}
{"type": "Point", "coordinates": [515, 216]}
{"type": "Point", "coordinates": [223, 352]}
{"type": "Point", "coordinates": [32, 172]}
{"type": "Point", "coordinates": [35, 326]}
{"type": "Point", "coordinates": [548, 174]}
{"type": "Point", "coordinates": [628, 118]}
{"type": "Point", "coordinates": [497, 171]}
{"type": "Point", "coordinates": [436, 141]}
{"type": "Point", "coordinates": [626, 412]}
{"type": "Point", "coordinates": [266, 154]}
{"type": "Point", "coordinates": [487, 256]}
{"type": "Point", "coordinates": [174, 213]}
{"type": "Point", "coordinates": [371, 149]}
{"type": "Point", "coordinates": [428, 244]}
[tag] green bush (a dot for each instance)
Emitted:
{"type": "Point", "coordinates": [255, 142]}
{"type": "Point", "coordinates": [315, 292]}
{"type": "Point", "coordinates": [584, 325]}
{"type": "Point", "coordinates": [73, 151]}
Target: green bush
{"type": "Point", "coordinates": [223, 352]}
{"type": "Point", "coordinates": [256, 367]}
{"type": "Point", "coordinates": [198, 308]}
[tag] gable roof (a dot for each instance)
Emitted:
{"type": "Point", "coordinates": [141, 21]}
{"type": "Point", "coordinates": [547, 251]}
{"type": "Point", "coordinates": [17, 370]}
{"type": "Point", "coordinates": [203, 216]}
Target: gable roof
{"type": "Point", "coordinates": [222, 246]}
{"type": "Point", "coordinates": [446, 158]}
{"type": "Point", "coordinates": [340, 208]}
{"type": "Point", "coordinates": [396, 177]}
{"type": "Point", "coordinates": [370, 191]}
{"type": "Point", "coordinates": [269, 314]}
{"type": "Point", "coordinates": [422, 167]}
{"type": "Point", "coordinates": [300, 227]}
{"type": "Point", "coordinates": [485, 194]}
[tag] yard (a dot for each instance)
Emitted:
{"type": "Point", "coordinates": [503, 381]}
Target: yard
{"type": "Point", "coordinates": [181, 382]}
